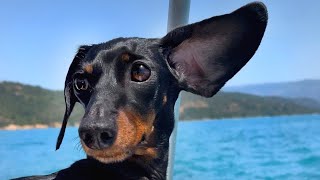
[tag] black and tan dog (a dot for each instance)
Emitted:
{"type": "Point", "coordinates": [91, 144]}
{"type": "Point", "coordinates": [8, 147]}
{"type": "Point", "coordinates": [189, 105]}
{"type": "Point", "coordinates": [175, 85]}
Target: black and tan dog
{"type": "Point", "coordinates": [128, 87]}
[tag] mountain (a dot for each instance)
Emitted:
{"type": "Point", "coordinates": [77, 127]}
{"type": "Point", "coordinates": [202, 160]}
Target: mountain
{"type": "Point", "coordinates": [309, 89]}
{"type": "Point", "coordinates": [24, 105]}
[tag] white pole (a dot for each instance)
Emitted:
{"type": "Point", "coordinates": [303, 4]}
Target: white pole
{"type": "Point", "coordinates": [178, 15]}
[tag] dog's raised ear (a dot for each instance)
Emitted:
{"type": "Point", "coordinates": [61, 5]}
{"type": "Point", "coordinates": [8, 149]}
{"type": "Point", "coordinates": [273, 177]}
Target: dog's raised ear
{"type": "Point", "coordinates": [203, 56]}
{"type": "Point", "coordinates": [69, 97]}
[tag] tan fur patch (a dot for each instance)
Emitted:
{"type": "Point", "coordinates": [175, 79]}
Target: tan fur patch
{"type": "Point", "coordinates": [125, 57]}
{"type": "Point", "coordinates": [131, 128]}
{"type": "Point", "coordinates": [88, 69]}
{"type": "Point", "coordinates": [148, 153]}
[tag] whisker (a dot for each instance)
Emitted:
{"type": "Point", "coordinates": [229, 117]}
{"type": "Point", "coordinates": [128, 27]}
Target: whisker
{"type": "Point", "coordinates": [75, 138]}
{"type": "Point", "coordinates": [78, 146]}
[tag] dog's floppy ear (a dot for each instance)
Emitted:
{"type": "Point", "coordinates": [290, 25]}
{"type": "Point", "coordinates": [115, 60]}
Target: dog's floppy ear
{"type": "Point", "coordinates": [69, 97]}
{"type": "Point", "coordinates": [205, 55]}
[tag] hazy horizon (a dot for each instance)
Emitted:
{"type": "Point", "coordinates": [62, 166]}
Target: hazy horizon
{"type": "Point", "coordinates": [227, 86]}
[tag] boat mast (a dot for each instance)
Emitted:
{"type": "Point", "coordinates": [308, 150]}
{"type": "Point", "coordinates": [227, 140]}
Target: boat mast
{"type": "Point", "coordinates": [178, 15]}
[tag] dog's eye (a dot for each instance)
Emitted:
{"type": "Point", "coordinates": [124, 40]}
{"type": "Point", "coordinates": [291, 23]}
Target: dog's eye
{"type": "Point", "coordinates": [81, 84]}
{"type": "Point", "coordinates": [140, 72]}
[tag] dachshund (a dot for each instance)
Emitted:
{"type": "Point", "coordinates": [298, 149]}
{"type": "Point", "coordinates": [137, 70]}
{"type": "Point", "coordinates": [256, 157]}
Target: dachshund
{"type": "Point", "coordinates": [129, 86]}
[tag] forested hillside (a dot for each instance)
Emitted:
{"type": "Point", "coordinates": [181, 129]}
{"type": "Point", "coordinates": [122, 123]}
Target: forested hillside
{"type": "Point", "coordinates": [23, 104]}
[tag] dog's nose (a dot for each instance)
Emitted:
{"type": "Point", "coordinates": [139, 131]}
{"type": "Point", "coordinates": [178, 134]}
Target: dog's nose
{"type": "Point", "coordinates": [97, 138]}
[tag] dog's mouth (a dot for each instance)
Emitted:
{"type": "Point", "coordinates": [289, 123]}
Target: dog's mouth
{"type": "Point", "coordinates": [135, 138]}
{"type": "Point", "coordinates": [142, 150]}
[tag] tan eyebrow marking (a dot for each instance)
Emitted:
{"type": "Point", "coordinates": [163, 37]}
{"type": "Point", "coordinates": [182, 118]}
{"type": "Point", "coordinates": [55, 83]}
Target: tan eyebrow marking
{"type": "Point", "coordinates": [88, 68]}
{"type": "Point", "coordinates": [125, 57]}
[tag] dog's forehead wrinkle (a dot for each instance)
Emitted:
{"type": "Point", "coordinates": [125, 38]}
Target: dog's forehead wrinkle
{"type": "Point", "coordinates": [107, 52]}
{"type": "Point", "coordinates": [129, 44]}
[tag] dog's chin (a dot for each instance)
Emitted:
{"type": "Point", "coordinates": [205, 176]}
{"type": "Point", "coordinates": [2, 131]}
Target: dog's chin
{"type": "Point", "coordinates": [116, 154]}
{"type": "Point", "coordinates": [108, 155]}
{"type": "Point", "coordinates": [112, 158]}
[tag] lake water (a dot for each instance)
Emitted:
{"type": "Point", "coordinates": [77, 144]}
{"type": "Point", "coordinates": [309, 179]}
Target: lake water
{"type": "Point", "coordinates": [286, 147]}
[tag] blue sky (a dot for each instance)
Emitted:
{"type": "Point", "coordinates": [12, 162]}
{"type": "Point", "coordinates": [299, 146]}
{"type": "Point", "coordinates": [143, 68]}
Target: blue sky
{"type": "Point", "coordinates": [39, 38]}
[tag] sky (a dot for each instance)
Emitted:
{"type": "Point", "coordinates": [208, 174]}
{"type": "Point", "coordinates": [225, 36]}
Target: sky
{"type": "Point", "coordinates": [38, 39]}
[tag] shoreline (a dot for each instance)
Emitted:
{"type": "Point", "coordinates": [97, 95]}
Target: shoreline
{"type": "Point", "coordinates": [14, 127]}
{"type": "Point", "coordinates": [236, 118]}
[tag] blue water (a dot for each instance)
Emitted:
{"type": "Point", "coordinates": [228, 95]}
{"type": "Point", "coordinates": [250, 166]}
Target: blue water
{"type": "Point", "coordinates": [286, 147]}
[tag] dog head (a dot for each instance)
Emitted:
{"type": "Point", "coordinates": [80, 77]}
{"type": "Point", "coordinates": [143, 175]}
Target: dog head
{"type": "Point", "coordinates": [125, 83]}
